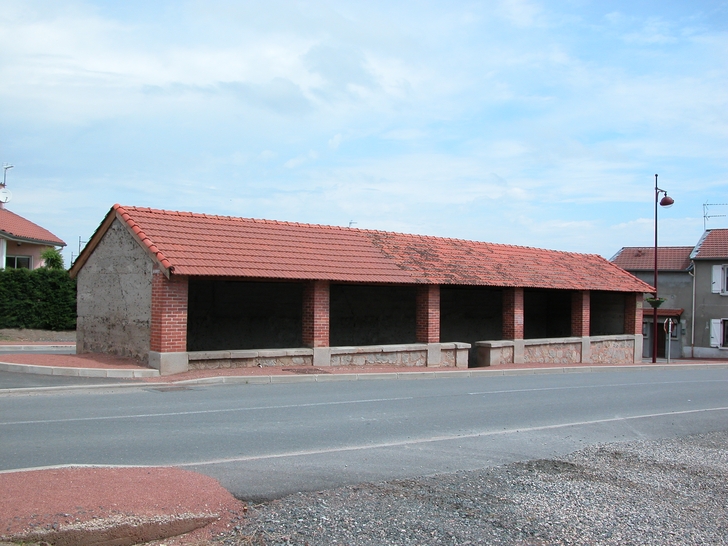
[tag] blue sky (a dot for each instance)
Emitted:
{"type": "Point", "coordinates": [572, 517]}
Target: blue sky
{"type": "Point", "coordinates": [515, 121]}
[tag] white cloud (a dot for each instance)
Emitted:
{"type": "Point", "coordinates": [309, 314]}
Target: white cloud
{"type": "Point", "coordinates": [519, 121]}
{"type": "Point", "coordinates": [335, 141]}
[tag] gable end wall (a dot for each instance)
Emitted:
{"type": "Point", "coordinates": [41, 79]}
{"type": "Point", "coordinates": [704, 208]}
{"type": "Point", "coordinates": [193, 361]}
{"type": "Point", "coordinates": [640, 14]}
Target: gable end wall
{"type": "Point", "coordinates": [115, 297]}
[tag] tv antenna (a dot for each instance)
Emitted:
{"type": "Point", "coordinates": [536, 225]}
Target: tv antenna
{"type": "Point", "coordinates": [707, 216]}
{"type": "Point", "coordinates": [5, 194]}
{"type": "Point", "coordinates": [6, 166]}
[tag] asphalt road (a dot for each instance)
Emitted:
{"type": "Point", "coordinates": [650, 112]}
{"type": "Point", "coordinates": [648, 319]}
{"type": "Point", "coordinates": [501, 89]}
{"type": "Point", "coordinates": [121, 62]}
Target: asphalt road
{"type": "Point", "coordinates": [265, 441]}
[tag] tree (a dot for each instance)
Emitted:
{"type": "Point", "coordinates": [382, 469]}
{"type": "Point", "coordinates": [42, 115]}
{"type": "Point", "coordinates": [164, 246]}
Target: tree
{"type": "Point", "coordinates": [52, 259]}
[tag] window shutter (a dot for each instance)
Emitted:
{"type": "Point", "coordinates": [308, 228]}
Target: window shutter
{"type": "Point", "coordinates": [717, 285]}
{"type": "Point", "coordinates": [715, 332]}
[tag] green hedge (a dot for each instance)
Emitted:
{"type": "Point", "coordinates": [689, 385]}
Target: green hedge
{"type": "Point", "coordinates": [42, 298]}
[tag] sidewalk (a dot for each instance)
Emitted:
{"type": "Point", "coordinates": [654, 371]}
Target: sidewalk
{"type": "Point", "coordinates": [98, 365]}
{"type": "Point", "coordinates": [130, 505]}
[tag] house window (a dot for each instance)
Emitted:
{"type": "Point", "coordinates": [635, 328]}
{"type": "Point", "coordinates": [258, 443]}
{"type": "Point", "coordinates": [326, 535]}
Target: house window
{"type": "Point", "coordinates": [17, 262]}
{"type": "Point", "coordinates": [719, 281]}
{"type": "Point", "coordinates": [719, 333]}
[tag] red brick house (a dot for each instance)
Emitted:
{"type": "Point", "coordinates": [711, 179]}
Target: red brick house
{"type": "Point", "coordinates": [22, 241]}
{"type": "Point", "coordinates": [184, 290]}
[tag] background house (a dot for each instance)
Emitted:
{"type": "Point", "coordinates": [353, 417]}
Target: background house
{"type": "Point", "coordinates": [710, 259]}
{"type": "Point", "coordinates": [184, 290]}
{"type": "Point", "coordinates": [694, 281]}
{"type": "Point", "coordinates": [675, 284]}
{"type": "Point", "coordinates": [22, 241]}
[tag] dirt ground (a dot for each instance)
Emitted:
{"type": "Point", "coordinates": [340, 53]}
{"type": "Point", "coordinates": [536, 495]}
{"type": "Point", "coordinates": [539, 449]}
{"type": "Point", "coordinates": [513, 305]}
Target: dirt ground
{"type": "Point", "coordinates": [19, 334]}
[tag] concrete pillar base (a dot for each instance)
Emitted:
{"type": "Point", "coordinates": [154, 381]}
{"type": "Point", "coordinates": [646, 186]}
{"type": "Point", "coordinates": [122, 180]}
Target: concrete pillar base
{"type": "Point", "coordinates": [169, 363]}
{"type": "Point", "coordinates": [321, 357]}
{"type": "Point", "coordinates": [638, 341]}
{"type": "Point", "coordinates": [434, 355]}
{"type": "Point", "coordinates": [586, 350]}
{"type": "Point", "coordinates": [518, 349]}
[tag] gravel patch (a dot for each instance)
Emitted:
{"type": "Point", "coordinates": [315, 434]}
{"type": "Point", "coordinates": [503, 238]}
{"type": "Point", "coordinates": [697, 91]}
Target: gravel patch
{"type": "Point", "coordinates": [672, 491]}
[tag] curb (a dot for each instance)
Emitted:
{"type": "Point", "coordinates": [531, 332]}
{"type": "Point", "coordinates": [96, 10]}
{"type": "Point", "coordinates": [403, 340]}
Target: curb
{"type": "Point", "coordinates": [38, 348]}
{"type": "Point", "coordinates": [323, 378]}
{"type": "Point", "coordinates": [315, 378]}
{"type": "Point", "coordinates": [119, 373]}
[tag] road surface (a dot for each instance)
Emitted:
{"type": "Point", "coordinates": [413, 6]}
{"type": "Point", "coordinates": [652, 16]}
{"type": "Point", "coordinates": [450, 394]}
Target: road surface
{"type": "Point", "coordinates": [266, 441]}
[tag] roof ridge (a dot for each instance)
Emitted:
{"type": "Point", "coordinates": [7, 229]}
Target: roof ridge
{"type": "Point", "coordinates": [359, 230]}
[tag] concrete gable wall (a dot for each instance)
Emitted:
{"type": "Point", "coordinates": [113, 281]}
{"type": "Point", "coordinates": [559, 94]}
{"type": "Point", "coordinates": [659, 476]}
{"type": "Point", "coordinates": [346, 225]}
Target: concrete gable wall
{"type": "Point", "coordinates": [115, 297]}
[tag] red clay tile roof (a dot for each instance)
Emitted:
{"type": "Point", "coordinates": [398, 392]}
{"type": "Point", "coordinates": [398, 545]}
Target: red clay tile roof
{"type": "Point", "coordinates": [642, 258]}
{"type": "Point", "coordinates": [15, 227]}
{"type": "Point", "coordinates": [223, 246]}
{"type": "Point", "coordinates": [713, 245]}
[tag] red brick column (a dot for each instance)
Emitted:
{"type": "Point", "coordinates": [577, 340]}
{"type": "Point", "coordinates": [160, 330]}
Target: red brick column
{"type": "Point", "coordinates": [633, 313]}
{"type": "Point", "coordinates": [580, 313]}
{"type": "Point", "coordinates": [316, 314]}
{"type": "Point", "coordinates": [428, 313]}
{"type": "Point", "coordinates": [169, 314]}
{"type": "Point", "coordinates": [513, 313]}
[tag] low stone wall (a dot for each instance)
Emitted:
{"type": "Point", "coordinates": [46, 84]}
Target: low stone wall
{"type": "Point", "coordinates": [613, 350]}
{"type": "Point", "coordinates": [453, 355]}
{"type": "Point", "coordinates": [553, 353]}
{"type": "Point", "coordinates": [618, 349]}
{"type": "Point", "coordinates": [213, 360]}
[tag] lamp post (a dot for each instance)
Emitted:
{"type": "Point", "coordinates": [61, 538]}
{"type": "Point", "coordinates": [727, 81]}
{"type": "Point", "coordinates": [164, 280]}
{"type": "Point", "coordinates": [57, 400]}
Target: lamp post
{"type": "Point", "coordinates": [666, 201]}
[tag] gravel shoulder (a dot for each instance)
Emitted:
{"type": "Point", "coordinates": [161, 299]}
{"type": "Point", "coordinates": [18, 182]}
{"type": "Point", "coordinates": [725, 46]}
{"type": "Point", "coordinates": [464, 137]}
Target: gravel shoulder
{"type": "Point", "coordinates": [672, 491]}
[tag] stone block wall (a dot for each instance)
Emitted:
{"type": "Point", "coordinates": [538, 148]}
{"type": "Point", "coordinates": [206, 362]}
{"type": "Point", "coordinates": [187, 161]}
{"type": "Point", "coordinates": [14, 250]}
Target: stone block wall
{"type": "Point", "coordinates": [617, 349]}
{"type": "Point", "coordinates": [556, 353]}
{"type": "Point", "coordinates": [612, 350]}
{"type": "Point", "coordinates": [213, 360]}
{"type": "Point", "coordinates": [451, 355]}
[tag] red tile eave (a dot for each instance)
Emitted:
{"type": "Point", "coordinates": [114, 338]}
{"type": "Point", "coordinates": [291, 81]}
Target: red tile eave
{"type": "Point", "coordinates": [15, 227]}
{"type": "Point", "coordinates": [198, 245]}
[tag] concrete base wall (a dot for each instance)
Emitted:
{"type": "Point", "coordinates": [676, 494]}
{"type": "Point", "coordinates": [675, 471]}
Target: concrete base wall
{"type": "Point", "coordinates": [707, 352]}
{"type": "Point", "coordinates": [621, 349]}
{"type": "Point", "coordinates": [446, 355]}
{"type": "Point", "coordinates": [114, 302]}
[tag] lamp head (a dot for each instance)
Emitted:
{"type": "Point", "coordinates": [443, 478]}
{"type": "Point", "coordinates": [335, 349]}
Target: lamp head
{"type": "Point", "coordinates": [667, 201]}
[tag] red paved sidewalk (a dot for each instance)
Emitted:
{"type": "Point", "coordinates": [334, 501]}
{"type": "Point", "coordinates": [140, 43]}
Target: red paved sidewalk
{"type": "Point", "coordinates": [95, 505]}
{"type": "Point", "coordinates": [100, 361]}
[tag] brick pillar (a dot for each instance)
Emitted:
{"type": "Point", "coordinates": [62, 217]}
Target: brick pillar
{"type": "Point", "coordinates": [512, 313]}
{"type": "Point", "coordinates": [169, 314]}
{"type": "Point", "coordinates": [316, 314]}
{"type": "Point", "coordinates": [633, 313]}
{"type": "Point", "coordinates": [428, 313]}
{"type": "Point", "coordinates": [580, 313]}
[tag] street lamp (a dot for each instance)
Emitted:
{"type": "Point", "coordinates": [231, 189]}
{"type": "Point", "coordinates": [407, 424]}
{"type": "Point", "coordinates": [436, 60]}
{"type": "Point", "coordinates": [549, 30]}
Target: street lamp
{"type": "Point", "coordinates": [666, 201]}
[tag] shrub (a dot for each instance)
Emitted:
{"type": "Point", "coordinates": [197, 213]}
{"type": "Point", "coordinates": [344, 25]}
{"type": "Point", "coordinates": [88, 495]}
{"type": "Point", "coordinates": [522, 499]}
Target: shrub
{"type": "Point", "coordinates": [52, 259]}
{"type": "Point", "coordinates": [43, 298]}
